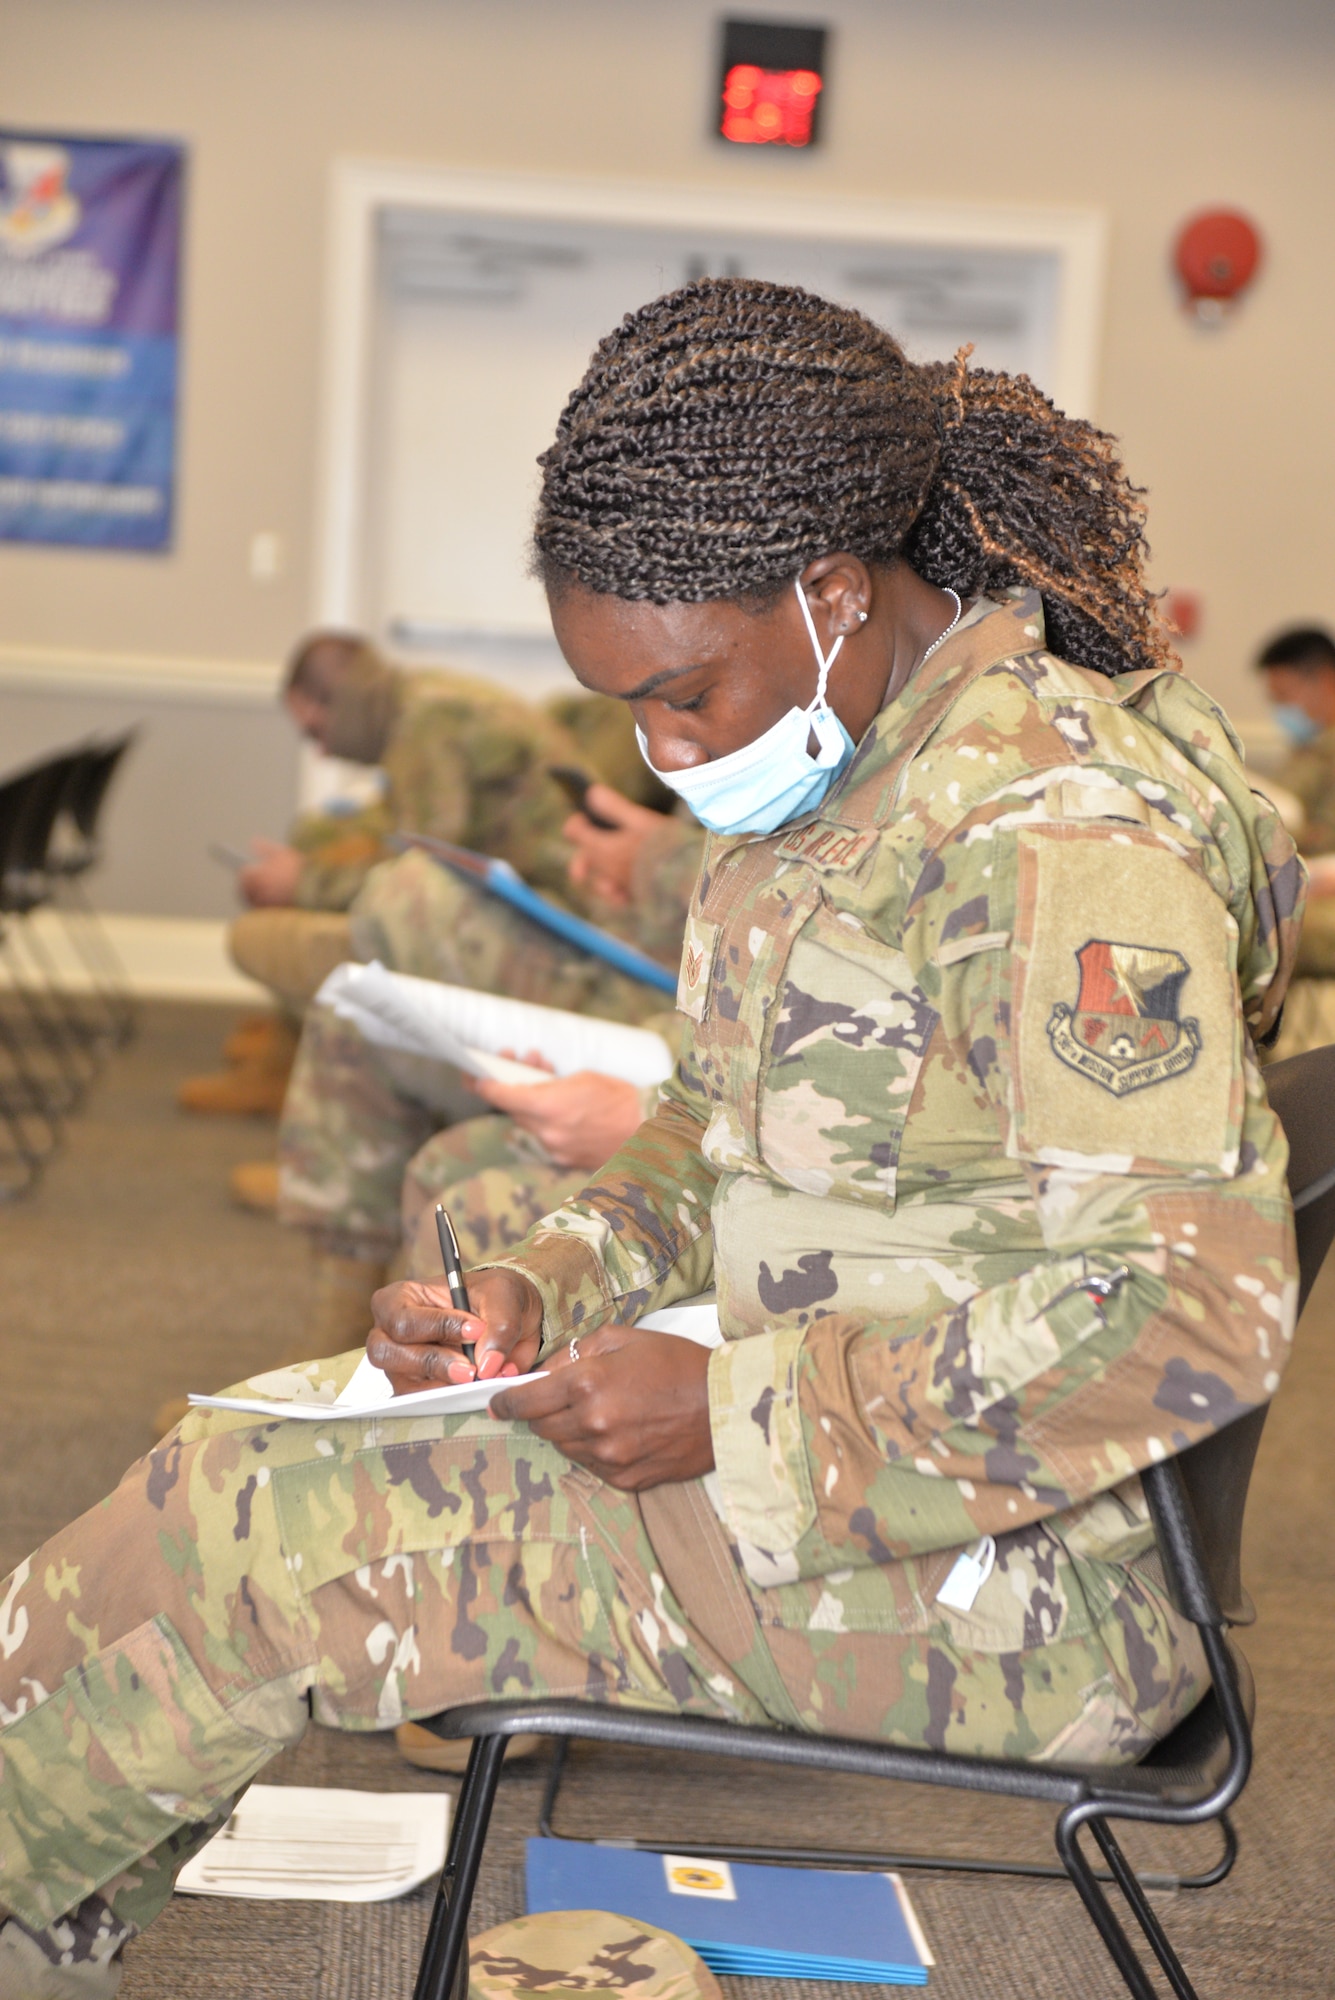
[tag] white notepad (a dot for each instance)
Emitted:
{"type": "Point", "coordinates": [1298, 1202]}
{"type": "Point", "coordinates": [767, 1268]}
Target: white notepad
{"type": "Point", "coordinates": [303, 1844]}
{"type": "Point", "coordinates": [457, 1025]}
{"type": "Point", "coordinates": [369, 1392]}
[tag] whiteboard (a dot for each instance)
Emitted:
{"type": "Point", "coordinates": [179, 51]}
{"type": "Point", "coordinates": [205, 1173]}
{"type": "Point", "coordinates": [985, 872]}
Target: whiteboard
{"type": "Point", "coordinates": [484, 322]}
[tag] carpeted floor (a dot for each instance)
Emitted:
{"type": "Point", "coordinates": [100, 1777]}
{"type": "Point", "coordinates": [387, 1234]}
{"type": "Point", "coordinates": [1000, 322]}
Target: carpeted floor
{"type": "Point", "coordinates": [129, 1278]}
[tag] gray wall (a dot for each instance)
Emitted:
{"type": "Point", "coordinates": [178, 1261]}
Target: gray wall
{"type": "Point", "coordinates": [202, 770]}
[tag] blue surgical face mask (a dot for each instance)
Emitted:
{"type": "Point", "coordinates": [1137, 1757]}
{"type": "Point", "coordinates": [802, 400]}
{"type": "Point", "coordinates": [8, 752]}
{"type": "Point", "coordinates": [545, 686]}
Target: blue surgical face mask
{"type": "Point", "coordinates": [1296, 723]}
{"type": "Point", "coordinates": [766, 783]}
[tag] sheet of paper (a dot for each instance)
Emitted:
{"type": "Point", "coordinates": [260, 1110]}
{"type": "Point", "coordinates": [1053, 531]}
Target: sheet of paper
{"type": "Point", "coordinates": [304, 1844]}
{"type": "Point", "coordinates": [369, 1392]}
{"type": "Point", "coordinates": [504, 1069]}
{"type": "Point", "coordinates": [452, 1023]}
{"type": "Point", "coordinates": [693, 1319]}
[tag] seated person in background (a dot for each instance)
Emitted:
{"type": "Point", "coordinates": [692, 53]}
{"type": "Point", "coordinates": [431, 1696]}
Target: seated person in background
{"type": "Point", "coordinates": [462, 760]}
{"type": "Point", "coordinates": [355, 1113]}
{"type": "Point", "coordinates": [1299, 670]}
{"type": "Point", "coordinates": [967, 1134]}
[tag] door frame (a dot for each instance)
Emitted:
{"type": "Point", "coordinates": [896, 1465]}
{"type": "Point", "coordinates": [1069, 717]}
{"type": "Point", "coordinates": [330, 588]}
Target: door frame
{"type": "Point", "coordinates": [359, 189]}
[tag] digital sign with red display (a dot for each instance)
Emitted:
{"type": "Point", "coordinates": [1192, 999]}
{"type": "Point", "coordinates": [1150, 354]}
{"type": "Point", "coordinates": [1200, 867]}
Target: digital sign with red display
{"type": "Point", "coordinates": [772, 79]}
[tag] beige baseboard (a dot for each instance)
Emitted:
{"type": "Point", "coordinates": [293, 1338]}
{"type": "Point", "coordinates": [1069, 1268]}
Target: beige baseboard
{"type": "Point", "coordinates": [166, 958]}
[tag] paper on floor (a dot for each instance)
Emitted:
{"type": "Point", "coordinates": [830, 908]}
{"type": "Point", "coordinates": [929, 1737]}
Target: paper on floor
{"type": "Point", "coordinates": [304, 1844]}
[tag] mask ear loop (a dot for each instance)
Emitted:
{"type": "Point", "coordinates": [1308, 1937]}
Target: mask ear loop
{"type": "Point", "coordinates": [822, 661]}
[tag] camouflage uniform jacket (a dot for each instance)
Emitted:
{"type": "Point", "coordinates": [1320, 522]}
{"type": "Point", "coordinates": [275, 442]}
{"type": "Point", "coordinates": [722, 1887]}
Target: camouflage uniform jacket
{"type": "Point", "coordinates": [662, 883]}
{"type": "Point", "coordinates": [1309, 774]}
{"type": "Point", "coordinates": [968, 1132]}
{"type": "Point", "coordinates": [467, 762]}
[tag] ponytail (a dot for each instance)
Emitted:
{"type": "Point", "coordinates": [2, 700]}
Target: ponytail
{"type": "Point", "coordinates": [1023, 495]}
{"type": "Point", "coordinates": [727, 434]}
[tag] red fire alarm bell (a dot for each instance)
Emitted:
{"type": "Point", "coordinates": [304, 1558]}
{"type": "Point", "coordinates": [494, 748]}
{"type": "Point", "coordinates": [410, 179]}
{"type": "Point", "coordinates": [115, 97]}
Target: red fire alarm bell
{"type": "Point", "coordinates": [1182, 613]}
{"type": "Point", "coordinates": [771, 83]}
{"type": "Point", "coordinates": [1217, 257]}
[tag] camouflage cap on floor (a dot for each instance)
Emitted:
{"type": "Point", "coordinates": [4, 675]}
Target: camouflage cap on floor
{"type": "Point", "coordinates": [585, 1951]}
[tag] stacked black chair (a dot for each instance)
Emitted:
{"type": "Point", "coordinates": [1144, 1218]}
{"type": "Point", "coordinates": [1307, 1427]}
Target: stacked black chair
{"type": "Point", "coordinates": [26, 886]}
{"type": "Point", "coordinates": [1194, 1776]}
{"type": "Point", "coordinates": [70, 857]}
{"type": "Point", "coordinates": [33, 1093]}
{"type": "Point", "coordinates": [51, 1037]}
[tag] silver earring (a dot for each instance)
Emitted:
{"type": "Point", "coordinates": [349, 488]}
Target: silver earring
{"type": "Point", "coordinates": [862, 617]}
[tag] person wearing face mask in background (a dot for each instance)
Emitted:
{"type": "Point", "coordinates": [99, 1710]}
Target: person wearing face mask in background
{"type": "Point", "coordinates": [1299, 671]}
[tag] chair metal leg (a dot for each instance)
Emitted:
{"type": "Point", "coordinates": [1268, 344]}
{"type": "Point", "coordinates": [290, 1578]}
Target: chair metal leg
{"type": "Point", "coordinates": [443, 1972]}
{"type": "Point", "coordinates": [1116, 1942]}
{"type": "Point", "coordinates": [64, 1008]}
{"type": "Point", "coordinates": [560, 1753]}
{"type": "Point", "coordinates": [29, 1098]}
{"type": "Point", "coordinates": [107, 974]}
{"type": "Point", "coordinates": [834, 1857]}
{"type": "Point", "coordinates": [68, 1085]}
{"type": "Point", "coordinates": [1142, 1909]}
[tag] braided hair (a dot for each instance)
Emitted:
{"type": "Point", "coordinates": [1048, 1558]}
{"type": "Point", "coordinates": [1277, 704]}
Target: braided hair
{"type": "Point", "coordinates": [727, 434]}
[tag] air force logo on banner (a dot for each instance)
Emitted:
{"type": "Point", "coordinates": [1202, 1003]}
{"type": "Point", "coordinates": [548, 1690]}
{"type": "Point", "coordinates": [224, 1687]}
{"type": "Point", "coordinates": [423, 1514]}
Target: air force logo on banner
{"type": "Point", "coordinates": [37, 208]}
{"type": "Point", "coordinates": [1124, 1031]}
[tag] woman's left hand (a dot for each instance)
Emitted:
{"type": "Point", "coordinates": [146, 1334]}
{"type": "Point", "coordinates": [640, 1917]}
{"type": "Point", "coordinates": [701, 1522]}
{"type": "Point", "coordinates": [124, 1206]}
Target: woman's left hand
{"type": "Point", "coordinates": [633, 1406]}
{"type": "Point", "coordinates": [579, 1121]}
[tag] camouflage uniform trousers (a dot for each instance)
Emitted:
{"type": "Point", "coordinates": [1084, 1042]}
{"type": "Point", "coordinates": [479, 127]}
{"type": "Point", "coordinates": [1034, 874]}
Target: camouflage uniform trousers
{"type": "Point", "coordinates": [292, 950]}
{"type": "Point", "coordinates": [495, 1181]}
{"type": "Point", "coordinates": [244, 1578]}
{"type": "Point", "coordinates": [355, 1114]}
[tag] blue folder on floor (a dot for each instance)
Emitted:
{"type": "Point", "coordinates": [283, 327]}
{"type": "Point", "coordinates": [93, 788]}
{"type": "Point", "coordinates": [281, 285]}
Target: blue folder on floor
{"type": "Point", "coordinates": [795, 1923]}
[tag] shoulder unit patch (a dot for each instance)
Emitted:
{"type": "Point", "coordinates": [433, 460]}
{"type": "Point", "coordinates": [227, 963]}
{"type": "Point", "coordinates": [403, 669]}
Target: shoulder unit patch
{"type": "Point", "coordinates": [1125, 1031]}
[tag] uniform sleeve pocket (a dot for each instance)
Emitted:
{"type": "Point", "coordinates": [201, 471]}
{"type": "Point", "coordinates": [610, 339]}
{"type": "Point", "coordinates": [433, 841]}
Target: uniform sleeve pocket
{"type": "Point", "coordinates": [846, 1042]}
{"type": "Point", "coordinates": [1127, 1018]}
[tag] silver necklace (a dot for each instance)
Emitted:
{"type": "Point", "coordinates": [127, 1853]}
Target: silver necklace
{"type": "Point", "coordinates": [941, 637]}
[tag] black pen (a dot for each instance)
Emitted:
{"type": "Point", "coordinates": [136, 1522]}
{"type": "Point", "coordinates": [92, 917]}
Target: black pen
{"type": "Point", "coordinates": [454, 1277]}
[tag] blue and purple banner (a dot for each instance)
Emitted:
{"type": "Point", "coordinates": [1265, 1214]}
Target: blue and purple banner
{"type": "Point", "coordinates": [90, 236]}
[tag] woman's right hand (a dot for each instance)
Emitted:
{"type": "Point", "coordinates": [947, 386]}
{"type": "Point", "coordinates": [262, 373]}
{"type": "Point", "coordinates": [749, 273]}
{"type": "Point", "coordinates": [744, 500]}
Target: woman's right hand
{"type": "Point", "coordinates": [605, 856]}
{"type": "Point", "coordinates": [419, 1333]}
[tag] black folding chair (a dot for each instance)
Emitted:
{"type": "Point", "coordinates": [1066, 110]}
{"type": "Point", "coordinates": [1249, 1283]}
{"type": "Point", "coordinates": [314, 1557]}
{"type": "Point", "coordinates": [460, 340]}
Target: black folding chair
{"type": "Point", "coordinates": [74, 1031]}
{"type": "Point", "coordinates": [69, 859]}
{"type": "Point", "coordinates": [1196, 1499]}
{"type": "Point", "coordinates": [57, 1067]}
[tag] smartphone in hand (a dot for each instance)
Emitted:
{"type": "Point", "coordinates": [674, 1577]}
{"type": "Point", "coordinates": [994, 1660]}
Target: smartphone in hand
{"type": "Point", "coordinates": [575, 784]}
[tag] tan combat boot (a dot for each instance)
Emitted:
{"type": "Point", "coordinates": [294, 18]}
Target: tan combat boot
{"type": "Point", "coordinates": [254, 1035]}
{"type": "Point", "coordinates": [253, 1088]}
{"type": "Point", "coordinates": [254, 1185]}
{"type": "Point", "coordinates": [165, 1418]}
{"type": "Point", "coordinates": [429, 1752]}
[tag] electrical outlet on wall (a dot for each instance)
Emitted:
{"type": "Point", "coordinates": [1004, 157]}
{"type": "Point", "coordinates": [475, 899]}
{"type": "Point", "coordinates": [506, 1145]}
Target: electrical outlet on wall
{"type": "Point", "coordinates": [266, 556]}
